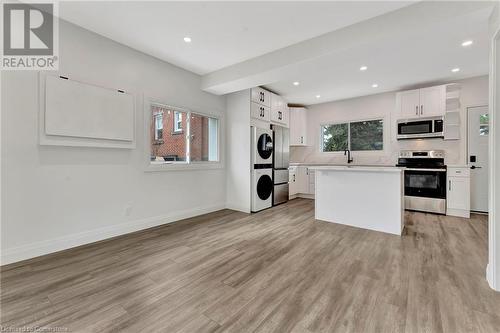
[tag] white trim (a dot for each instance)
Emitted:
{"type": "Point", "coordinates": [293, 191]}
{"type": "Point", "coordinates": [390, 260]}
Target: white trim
{"type": "Point", "coordinates": [240, 208]}
{"type": "Point", "coordinates": [66, 242]}
{"type": "Point", "coordinates": [493, 112]}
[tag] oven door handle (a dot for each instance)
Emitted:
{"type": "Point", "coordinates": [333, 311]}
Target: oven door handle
{"type": "Point", "coordinates": [421, 169]}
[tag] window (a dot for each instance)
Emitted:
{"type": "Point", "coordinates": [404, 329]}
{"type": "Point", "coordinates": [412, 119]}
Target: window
{"type": "Point", "coordinates": [182, 136]}
{"type": "Point", "coordinates": [203, 131]}
{"type": "Point", "coordinates": [158, 121]}
{"type": "Point", "coordinates": [367, 135]}
{"type": "Point", "coordinates": [356, 136]}
{"type": "Point", "coordinates": [177, 121]}
{"type": "Point", "coordinates": [484, 124]}
{"type": "Point", "coordinates": [335, 137]}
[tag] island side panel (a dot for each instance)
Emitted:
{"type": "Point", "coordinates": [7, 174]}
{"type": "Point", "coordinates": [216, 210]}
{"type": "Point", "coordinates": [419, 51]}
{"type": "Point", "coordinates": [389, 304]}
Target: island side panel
{"type": "Point", "coordinates": [365, 199]}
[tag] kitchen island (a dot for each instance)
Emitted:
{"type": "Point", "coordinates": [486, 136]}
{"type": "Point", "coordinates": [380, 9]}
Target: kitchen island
{"type": "Point", "coordinates": [368, 197]}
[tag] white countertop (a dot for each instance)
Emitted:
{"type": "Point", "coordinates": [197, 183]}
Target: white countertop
{"type": "Point", "coordinates": [373, 168]}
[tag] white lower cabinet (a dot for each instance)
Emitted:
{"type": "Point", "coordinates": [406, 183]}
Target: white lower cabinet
{"type": "Point", "coordinates": [292, 181]}
{"type": "Point", "coordinates": [458, 192]}
{"type": "Point", "coordinates": [301, 181]}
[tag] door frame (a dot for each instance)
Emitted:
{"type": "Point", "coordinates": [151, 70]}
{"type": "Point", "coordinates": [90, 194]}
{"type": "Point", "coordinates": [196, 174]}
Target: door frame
{"type": "Point", "coordinates": [467, 142]}
{"type": "Point", "coordinates": [492, 268]}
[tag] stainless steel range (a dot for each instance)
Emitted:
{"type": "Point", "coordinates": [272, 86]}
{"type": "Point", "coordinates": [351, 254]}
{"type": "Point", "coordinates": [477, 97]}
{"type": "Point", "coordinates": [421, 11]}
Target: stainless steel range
{"type": "Point", "coordinates": [425, 180]}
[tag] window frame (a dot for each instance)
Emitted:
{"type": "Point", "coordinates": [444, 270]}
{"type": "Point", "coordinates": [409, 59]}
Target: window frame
{"type": "Point", "coordinates": [152, 166]}
{"type": "Point", "coordinates": [384, 129]}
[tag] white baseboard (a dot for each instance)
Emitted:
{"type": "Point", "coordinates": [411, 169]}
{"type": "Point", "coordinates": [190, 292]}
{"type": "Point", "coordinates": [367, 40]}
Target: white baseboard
{"type": "Point", "coordinates": [458, 212]}
{"type": "Point", "coordinates": [301, 195]}
{"type": "Point", "coordinates": [238, 208]}
{"type": "Point", "coordinates": [490, 278]}
{"type": "Point", "coordinates": [66, 242]}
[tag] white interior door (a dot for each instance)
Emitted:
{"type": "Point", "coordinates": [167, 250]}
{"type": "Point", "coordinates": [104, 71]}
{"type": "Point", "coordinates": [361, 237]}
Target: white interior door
{"type": "Point", "coordinates": [478, 136]}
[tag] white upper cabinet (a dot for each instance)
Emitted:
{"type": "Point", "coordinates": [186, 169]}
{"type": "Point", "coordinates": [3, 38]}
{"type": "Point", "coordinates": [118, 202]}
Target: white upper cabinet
{"type": "Point", "coordinates": [425, 102]}
{"type": "Point", "coordinates": [259, 111]}
{"type": "Point", "coordinates": [409, 103]}
{"type": "Point", "coordinates": [433, 101]}
{"type": "Point", "coordinates": [261, 96]}
{"type": "Point", "coordinates": [279, 110]}
{"type": "Point", "coordinates": [298, 126]}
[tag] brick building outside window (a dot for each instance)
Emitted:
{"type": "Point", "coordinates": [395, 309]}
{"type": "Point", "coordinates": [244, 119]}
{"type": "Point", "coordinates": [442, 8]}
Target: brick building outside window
{"type": "Point", "coordinates": [169, 135]}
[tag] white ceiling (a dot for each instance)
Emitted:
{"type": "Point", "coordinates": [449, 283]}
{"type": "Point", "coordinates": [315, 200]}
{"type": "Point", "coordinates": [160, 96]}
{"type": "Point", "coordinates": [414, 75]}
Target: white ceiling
{"type": "Point", "coordinates": [236, 45]}
{"type": "Point", "coordinates": [223, 33]}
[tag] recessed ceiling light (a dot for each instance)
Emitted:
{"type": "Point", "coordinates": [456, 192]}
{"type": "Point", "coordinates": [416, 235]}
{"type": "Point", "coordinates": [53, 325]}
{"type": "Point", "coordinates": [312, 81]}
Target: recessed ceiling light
{"type": "Point", "coordinates": [363, 68]}
{"type": "Point", "coordinates": [467, 43]}
{"type": "Point", "coordinates": [187, 39]}
{"type": "Point", "coordinates": [374, 85]}
{"type": "Point", "coordinates": [454, 70]}
{"type": "Point", "coordinates": [318, 96]}
{"type": "Point", "coordinates": [296, 83]}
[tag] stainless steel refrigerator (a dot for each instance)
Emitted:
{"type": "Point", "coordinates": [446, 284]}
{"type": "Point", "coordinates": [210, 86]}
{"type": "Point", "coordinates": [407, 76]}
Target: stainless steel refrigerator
{"type": "Point", "coordinates": [281, 161]}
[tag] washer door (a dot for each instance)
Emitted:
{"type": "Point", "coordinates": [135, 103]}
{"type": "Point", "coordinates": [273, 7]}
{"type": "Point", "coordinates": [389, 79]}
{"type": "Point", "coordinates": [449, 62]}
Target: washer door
{"type": "Point", "coordinates": [264, 187]}
{"type": "Point", "coordinates": [265, 146]}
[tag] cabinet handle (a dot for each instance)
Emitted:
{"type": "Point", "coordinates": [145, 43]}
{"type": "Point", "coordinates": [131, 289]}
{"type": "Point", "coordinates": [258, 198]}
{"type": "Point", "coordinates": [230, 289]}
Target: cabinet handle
{"type": "Point", "coordinates": [301, 139]}
{"type": "Point", "coordinates": [421, 109]}
{"type": "Point", "coordinates": [293, 177]}
{"type": "Point", "coordinates": [449, 185]}
{"type": "Point", "coordinates": [280, 117]}
{"type": "Point", "coordinates": [416, 110]}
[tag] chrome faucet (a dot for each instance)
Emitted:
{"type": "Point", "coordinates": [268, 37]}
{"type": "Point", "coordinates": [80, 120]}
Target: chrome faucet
{"type": "Point", "coordinates": [348, 152]}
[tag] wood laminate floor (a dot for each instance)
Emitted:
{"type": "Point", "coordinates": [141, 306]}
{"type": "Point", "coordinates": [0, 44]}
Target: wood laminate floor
{"type": "Point", "coordinates": [275, 271]}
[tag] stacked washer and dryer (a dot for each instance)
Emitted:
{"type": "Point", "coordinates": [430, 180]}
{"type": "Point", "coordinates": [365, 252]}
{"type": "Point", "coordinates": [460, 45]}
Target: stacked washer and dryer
{"type": "Point", "coordinates": [270, 152]}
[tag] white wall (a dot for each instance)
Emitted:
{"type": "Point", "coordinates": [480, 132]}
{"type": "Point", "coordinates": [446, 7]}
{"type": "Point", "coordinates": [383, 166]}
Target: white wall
{"type": "Point", "coordinates": [474, 92]}
{"type": "Point", "coordinates": [57, 197]}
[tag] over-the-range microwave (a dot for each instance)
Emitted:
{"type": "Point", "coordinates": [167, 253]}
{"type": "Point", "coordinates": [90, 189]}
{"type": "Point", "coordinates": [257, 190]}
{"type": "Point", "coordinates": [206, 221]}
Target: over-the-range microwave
{"type": "Point", "coordinates": [419, 128]}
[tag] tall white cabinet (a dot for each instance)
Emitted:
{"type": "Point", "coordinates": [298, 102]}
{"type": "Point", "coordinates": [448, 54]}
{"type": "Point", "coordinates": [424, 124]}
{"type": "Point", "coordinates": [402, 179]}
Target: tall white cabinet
{"type": "Point", "coordinates": [250, 107]}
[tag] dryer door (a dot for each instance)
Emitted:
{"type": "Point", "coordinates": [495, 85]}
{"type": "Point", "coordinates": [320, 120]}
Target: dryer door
{"type": "Point", "coordinates": [264, 187]}
{"type": "Point", "coordinates": [265, 146]}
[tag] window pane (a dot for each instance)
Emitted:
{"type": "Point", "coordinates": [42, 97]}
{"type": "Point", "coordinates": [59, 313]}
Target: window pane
{"type": "Point", "coordinates": [367, 135]}
{"type": "Point", "coordinates": [204, 138]}
{"type": "Point", "coordinates": [334, 137]}
{"type": "Point", "coordinates": [484, 130]}
{"type": "Point", "coordinates": [178, 121]}
{"type": "Point", "coordinates": [167, 144]}
{"type": "Point", "coordinates": [484, 119]}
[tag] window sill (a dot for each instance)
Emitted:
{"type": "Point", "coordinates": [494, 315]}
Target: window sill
{"type": "Point", "coordinates": [181, 166]}
{"type": "Point", "coordinates": [368, 152]}
{"type": "Point", "coordinates": [176, 132]}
